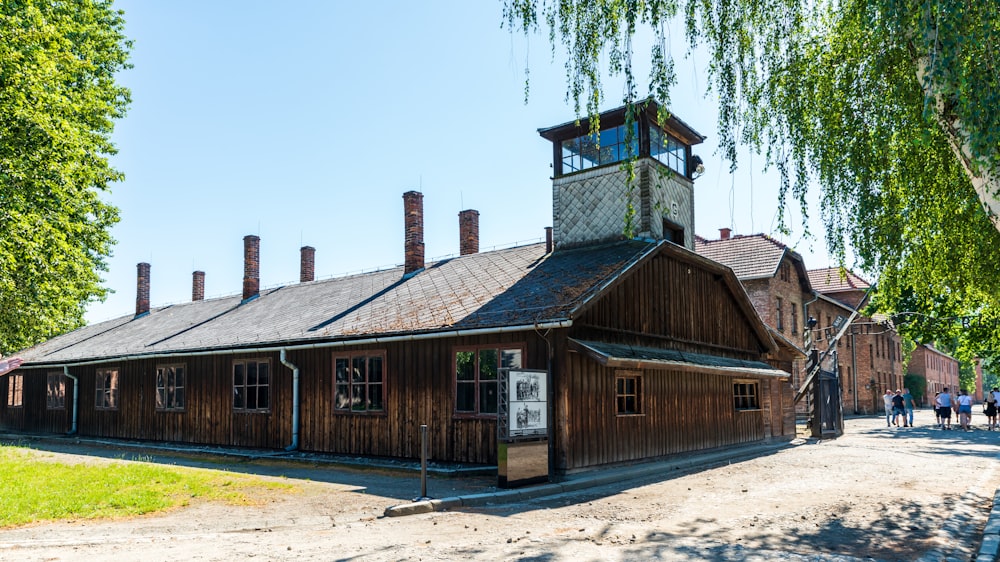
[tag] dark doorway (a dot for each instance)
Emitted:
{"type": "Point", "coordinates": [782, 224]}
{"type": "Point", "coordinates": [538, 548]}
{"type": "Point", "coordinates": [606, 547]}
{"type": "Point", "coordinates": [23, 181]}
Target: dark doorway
{"type": "Point", "coordinates": [673, 232]}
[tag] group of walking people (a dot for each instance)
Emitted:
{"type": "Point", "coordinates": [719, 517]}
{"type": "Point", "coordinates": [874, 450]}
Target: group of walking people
{"type": "Point", "coordinates": [944, 403]}
{"type": "Point", "coordinates": [899, 407]}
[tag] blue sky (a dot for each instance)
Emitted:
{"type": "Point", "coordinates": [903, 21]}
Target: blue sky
{"type": "Point", "coordinates": [303, 122]}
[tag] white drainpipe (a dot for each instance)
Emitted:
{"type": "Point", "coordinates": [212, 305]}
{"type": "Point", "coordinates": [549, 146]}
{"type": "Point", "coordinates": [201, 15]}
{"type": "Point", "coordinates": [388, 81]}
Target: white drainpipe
{"type": "Point", "coordinates": [295, 402]}
{"type": "Point", "coordinates": [76, 396]}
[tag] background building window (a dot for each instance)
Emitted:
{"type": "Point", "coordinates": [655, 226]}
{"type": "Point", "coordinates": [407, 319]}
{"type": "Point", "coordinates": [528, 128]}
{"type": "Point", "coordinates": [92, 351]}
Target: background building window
{"type": "Point", "coordinates": [55, 391]}
{"type": "Point", "coordinates": [170, 387]}
{"type": "Point", "coordinates": [628, 393]}
{"type": "Point", "coordinates": [15, 390]}
{"type": "Point", "coordinates": [477, 372]}
{"type": "Point", "coordinates": [106, 391]}
{"type": "Point", "coordinates": [359, 380]}
{"type": "Point", "coordinates": [251, 386]}
{"type": "Point", "coordinates": [745, 395]}
{"type": "Point", "coordinates": [781, 315]}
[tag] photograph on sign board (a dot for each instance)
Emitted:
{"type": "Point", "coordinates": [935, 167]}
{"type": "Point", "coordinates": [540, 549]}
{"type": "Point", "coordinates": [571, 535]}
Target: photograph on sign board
{"type": "Point", "coordinates": [528, 416]}
{"type": "Point", "coordinates": [526, 386]}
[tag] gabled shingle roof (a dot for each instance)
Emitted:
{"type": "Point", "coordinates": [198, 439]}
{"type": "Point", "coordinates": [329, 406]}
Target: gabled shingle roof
{"type": "Point", "coordinates": [829, 280]}
{"type": "Point", "coordinates": [756, 256]}
{"type": "Point", "coordinates": [513, 287]}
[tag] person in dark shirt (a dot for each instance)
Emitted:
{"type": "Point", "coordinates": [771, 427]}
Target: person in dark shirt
{"type": "Point", "coordinates": [898, 409]}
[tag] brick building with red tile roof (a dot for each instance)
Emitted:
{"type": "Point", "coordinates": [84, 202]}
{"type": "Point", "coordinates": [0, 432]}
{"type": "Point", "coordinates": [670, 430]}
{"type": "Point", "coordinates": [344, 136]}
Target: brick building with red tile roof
{"type": "Point", "coordinates": [937, 368]}
{"type": "Point", "coordinates": [786, 295]}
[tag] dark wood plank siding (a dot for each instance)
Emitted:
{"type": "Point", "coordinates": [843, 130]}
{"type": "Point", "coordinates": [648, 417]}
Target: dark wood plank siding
{"type": "Point", "coordinates": [682, 412]}
{"type": "Point", "coordinates": [208, 416]}
{"type": "Point", "coordinates": [665, 303]}
{"type": "Point", "coordinates": [33, 415]}
{"type": "Point", "coordinates": [419, 390]}
{"type": "Point", "coordinates": [669, 303]}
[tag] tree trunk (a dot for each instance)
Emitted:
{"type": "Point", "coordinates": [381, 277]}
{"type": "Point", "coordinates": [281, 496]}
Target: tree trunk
{"type": "Point", "coordinates": [986, 184]}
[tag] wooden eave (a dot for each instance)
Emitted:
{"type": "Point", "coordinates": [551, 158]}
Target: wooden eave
{"type": "Point", "coordinates": [616, 117]}
{"type": "Point", "coordinates": [658, 359]}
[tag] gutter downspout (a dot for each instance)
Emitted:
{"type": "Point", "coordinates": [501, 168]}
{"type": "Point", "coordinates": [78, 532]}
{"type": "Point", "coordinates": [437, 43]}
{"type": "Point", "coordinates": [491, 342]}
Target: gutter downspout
{"type": "Point", "coordinates": [76, 397]}
{"type": "Point", "coordinates": [295, 401]}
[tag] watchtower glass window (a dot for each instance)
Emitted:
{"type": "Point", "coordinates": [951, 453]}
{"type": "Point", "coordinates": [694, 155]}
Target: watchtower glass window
{"type": "Point", "coordinates": [577, 148]}
{"type": "Point", "coordinates": [606, 147]}
{"type": "Point", "coordinates": [669, 151]}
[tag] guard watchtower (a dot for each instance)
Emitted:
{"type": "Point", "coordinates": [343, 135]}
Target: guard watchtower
{"type": "Point", "coordinates": [590, 191]}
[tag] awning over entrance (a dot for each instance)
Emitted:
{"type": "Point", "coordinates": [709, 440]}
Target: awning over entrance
{"type": "Point", "coordinates": [623, 356]}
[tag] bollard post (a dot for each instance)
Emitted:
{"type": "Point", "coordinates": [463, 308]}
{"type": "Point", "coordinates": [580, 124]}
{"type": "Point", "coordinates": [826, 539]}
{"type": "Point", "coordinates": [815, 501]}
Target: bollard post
{"type": "Point", "coordinates": [423, 461]}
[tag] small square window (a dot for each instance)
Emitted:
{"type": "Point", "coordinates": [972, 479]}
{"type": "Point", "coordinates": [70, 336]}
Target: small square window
{"type": "Point", "coordinates": [628, 394]}
{"type": "Point", "coordinates": [745, 395]}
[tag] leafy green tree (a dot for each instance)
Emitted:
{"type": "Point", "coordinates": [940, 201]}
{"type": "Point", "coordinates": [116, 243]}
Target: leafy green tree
{"type": "Point", "coordinates": [58, 100]}
{"type": "Point", "coordinates": [990, 378]}
{"type": "Point", "coordinates": [917, 386]}
{"type": "Point", "coordinates": [890, 106]}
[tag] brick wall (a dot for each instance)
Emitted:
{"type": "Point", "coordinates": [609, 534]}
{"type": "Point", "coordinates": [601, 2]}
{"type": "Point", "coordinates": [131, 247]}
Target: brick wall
{"type": "Point", "coordinates": [198, 286]}
{"type": "Point", "coordinates": [307, 264]}
{"type": "Point", "coordinates": [879, 366]}
{"type": "Point", "coordinates": [764, 295]}
{"type": "Point", "coordinates": [142, 288]}
{"type": "Point", "coordinates": [413, 224]}
{"type": "Point", "coordinates": [251, 266]}
{"type": "Point", "coordinates": [939, 370]}
{"type": "Point", "coordinates": [468, 232]}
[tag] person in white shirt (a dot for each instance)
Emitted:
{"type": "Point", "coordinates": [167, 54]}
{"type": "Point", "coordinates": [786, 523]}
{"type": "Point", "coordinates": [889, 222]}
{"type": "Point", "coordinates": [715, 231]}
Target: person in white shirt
{"type": "Point", "coordinates": [945, 403]}
{"type": "Point", "coordinates": [964, 410]}
{"type": "Point", "coordinates": [887, 398]}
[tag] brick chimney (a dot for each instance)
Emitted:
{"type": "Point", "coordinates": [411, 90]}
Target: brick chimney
{"type": "Point", "coordinates": [548, 239]}
{"type": "Point", "coordinates": [198, 286]}
{"type": "Point", "coordinates": [251, 266]}
{"type": "Point", "coordinates": [724, 233]}
{"type": "Point", "coordinates": [307, 267]}
{"type": "Point", "coordinates": [142, 289]}
{"type": "Point", "coordinates": [413, 215]}
{"type": "Point", "coordinates": [468, 232]}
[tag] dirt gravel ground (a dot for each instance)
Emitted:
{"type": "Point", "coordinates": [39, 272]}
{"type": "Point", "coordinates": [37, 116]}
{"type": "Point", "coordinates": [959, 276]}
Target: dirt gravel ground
{"type": "Point", "coordinates": [877, 493]}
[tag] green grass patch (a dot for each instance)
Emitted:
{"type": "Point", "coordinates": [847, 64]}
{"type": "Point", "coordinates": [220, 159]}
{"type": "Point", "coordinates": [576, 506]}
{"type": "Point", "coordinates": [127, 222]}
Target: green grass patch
{"type": "Point", "coordinates": [37, 487]}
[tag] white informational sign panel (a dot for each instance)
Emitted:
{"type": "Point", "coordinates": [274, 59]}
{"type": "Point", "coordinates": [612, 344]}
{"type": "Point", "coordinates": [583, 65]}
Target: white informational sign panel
{"type": "Point", "coordinates": [527, 403]}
